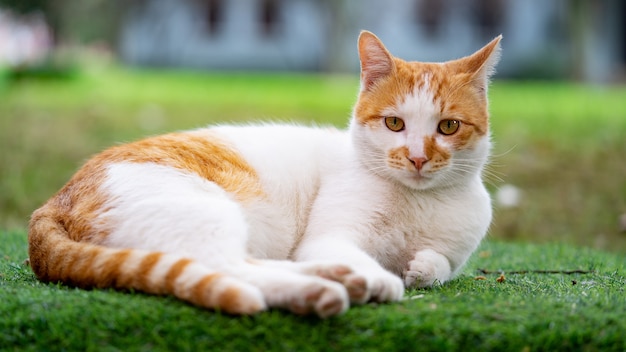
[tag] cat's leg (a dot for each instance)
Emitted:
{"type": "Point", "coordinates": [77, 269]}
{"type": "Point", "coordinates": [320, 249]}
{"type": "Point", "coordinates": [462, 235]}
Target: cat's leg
{"type": "Point", "coordinates": [294, 290]}
{"type": "Point", "coordinates": [287, 289]}
{"type": "Point", "coordinates": [213, 231]}
{"type": "Point", "coordinates": [355, 284]}
{"type": "Point", "coordinates": [331, 271]}
{"type": "Point", "coordinates": [428, 267]}
{"type": "Point", "coordinates": [368, 281]}
{"type": "Point", "coordinates": [192, 241]}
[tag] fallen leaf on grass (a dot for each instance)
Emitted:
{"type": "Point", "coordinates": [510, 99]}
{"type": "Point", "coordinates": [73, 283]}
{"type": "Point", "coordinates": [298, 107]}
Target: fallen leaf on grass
{"type": "Point", "coordinates": [501, 278]}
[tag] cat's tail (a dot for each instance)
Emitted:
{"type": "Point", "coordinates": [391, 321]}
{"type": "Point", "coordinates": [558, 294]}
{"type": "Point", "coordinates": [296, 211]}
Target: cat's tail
{"type": "Point", "coordinates": [55, 257]}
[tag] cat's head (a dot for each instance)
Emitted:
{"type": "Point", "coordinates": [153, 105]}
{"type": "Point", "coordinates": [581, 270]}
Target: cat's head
{"type": "Point", "coordinates": [423, 124]}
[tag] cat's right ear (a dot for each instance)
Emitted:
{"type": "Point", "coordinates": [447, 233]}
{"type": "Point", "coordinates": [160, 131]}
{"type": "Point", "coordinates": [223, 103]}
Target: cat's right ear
{"type": "Point", "coordinates": [376, 61]}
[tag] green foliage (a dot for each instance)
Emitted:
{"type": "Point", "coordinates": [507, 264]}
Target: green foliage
{"type": "Point", "coordinates": [524, 312]}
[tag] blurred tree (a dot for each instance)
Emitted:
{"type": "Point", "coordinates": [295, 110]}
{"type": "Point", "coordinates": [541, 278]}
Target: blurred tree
{"type": "Point", "coordinates": [50, 9]}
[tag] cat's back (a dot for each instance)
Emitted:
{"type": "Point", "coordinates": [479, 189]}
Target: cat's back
{"type": "Point", "coordinates": [287, 155]}
{"type": "Point", "coordinates": [273, 171]}
{"type": "Point", "coordinates": [243, 160]}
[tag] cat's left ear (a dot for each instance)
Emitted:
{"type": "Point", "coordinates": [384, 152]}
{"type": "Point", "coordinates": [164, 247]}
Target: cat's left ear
{"type": "Point", "coordinates": [482, 64]}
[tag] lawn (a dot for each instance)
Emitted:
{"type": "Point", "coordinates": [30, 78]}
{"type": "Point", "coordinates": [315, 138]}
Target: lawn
{"type": "Point", "coordinates": [524, 312]}
{"type": "Point", "coordinates": [561, 144]}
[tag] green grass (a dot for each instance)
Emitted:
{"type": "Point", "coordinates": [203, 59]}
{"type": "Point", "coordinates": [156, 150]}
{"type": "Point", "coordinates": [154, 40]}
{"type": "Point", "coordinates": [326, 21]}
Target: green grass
{"type": "Point", "coordinates": [525, 312]}
{"type": "Point", "coordinates": [561, 144]}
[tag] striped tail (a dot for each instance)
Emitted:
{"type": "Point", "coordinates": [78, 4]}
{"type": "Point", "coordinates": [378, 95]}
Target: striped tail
{"type": "Point", "coordinates": [55, 257]}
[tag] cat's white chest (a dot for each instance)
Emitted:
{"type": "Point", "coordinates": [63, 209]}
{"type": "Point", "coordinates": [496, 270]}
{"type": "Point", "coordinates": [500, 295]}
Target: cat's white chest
{"type": "Point", "coordinates": [450, 221]}
{"type": "Point", "coordinates": [397, 222]}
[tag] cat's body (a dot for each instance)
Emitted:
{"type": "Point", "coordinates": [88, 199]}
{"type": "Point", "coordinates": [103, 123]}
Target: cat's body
{"type": "Point", "coordinates": [302, 218]}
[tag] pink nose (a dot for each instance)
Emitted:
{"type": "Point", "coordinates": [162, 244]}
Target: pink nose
{"type": "Point", "coordinates": [418, 162]}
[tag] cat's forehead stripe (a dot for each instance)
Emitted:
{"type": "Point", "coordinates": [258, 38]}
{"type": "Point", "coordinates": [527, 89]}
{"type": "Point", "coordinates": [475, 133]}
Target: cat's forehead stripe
{"type": "Point", "coordinates": [421, 101]}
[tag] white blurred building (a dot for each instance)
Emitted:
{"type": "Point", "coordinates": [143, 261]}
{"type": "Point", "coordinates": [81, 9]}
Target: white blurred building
{"type": "Point", "coordinates": [24, 40]}
{"type": "Point", "coordinates": [541, 38]}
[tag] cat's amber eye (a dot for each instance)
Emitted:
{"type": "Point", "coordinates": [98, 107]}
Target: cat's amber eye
{"type": "Point", "coordinates": [394, 123]}
{"type": "Point", "coordinates": [448, 127]}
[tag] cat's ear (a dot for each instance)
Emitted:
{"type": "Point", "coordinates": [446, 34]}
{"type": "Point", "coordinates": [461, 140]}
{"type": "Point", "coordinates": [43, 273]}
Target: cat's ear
{"type": "Point", "coordinates": [376, 61]}
{"type": "Point", "coordinates": [482, 64]}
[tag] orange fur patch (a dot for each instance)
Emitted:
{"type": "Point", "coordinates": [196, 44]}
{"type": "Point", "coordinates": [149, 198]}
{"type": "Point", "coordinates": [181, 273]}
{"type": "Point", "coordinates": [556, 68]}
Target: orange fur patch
{"type": "Point", "coordinates": [59, 230]}
{"type": "Point", "coordinates": [79, 203]}
{"type": "Point", "coordinates": [202, 153]}
{"type": "Point", "coordinates": [436, 155]}
{"type": "Point", "coordinates": [141, 277]}
{"type": "Point", "coordinates": [111, 270]}
{"type": "Point", "coordinates": [398, 158]}
{"type": "Point", "coordinates": [202, 288]}
{"type": "Point", "coordinates": [453, 94]}
{"type": "Point", "coordinates": [174, 273]}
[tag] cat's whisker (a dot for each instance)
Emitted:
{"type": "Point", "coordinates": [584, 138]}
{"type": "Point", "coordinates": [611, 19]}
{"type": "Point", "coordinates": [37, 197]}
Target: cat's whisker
{"type": "Point", "coordinates": [504, 152]}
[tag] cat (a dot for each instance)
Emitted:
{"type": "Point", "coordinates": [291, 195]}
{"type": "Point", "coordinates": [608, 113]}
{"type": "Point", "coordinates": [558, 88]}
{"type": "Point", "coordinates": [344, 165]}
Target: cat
{"type": "Point", "coordinates": [308, 219]}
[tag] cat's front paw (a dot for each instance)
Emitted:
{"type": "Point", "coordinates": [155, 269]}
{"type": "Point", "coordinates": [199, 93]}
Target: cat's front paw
{"type": "Point", "coordinates": [377, 285]}
{"type": "Point", "coordinates": [380, 286]}
{"type": "Point", "coordinates": [363, 285]}
{"type": "Point", "coordinates": [427, 268]}
{"type": "Point", "coordinates": [324, 299]}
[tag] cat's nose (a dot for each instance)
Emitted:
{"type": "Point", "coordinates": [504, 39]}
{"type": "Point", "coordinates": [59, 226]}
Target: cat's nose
{"type": "Point", "coordinates": [418, 162]}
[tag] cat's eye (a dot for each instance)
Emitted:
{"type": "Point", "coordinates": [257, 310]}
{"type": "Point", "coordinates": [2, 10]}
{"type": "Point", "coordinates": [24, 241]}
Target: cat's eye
{"type": "Point", "coordinates": [394, 123]}
{"type": "Point", "coordinates": [448, 127]}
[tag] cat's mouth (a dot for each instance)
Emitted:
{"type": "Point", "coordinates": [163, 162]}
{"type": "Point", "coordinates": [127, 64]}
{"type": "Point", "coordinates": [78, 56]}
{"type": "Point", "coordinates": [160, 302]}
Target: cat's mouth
{"type": "Point", "coordinates": [420, 176]}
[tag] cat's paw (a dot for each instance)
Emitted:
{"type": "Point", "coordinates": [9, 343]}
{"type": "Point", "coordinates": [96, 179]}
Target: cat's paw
{"type": "Point", "coordinates": [235, 297]}
{"type": "Point", "coordinates": [322, 298]}
{"type": "Point", "coordinates": [385, 287]}
{"type": "Point", "coordinates": [380, 286]}
{"type": "Point", "coordinates": [356, 285]}
{"type": "Point", "coordinates": [334, 272]}
{"type": "Point", "coordinates": [374, 285]}
{"type": "Point", "coordinates": [427, 268]}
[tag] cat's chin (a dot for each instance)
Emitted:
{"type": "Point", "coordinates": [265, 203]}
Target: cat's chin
{"type": "Point", "coordinates": [422, 182]}
{"type": "Point", "coordinates": [417, 181]}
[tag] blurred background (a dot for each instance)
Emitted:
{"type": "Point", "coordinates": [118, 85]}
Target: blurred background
{"type": "Point", "coordinates": [79, 75]}
{"type": "Point", "coordinates": [573, 39]}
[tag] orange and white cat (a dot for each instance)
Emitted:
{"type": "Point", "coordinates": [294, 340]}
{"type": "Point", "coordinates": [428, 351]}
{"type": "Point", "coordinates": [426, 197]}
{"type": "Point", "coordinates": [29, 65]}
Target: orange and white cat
{"type": "Point", "coordinates": [246, 218]}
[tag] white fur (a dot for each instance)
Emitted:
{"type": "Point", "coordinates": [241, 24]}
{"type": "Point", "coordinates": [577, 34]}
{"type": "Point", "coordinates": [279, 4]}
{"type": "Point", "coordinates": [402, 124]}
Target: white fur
{"type": "Point", "coordinates": [159, 208]}
{"type": "Point", "coordinates": [322, 204]}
